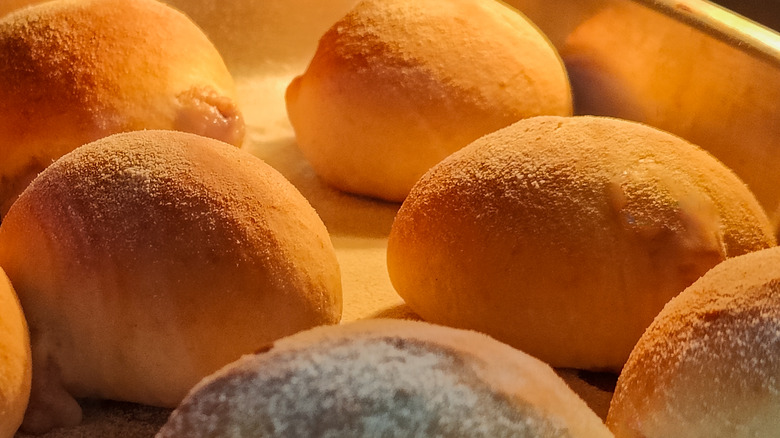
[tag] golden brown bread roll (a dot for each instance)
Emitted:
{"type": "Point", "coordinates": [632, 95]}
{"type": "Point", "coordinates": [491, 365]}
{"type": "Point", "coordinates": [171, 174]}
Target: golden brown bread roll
{"type": "Point", "coordinates": [396, 86]}
{"type": "Point", "coordinates": [388, 378]}
{"type": "Point", "coordinates": [74, 71]}
{"type": "Point", "coordinates": [15, 361]}
{"type": "Point", "coordinates": [564, 237]}
{"type": "Point", "coordinates": [147, 260]}
{"type": "Point", "coordinates": [708, 365]}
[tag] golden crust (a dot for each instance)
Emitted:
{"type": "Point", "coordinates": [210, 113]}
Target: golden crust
{"type": "Point", "coordinates": [387, 96]}
{"type": "Point", "coordinates": [564, 237]}
{"type": "Point", "coordinates": [78, 70]}
{"type": "Point", "coordinates": [708, 364]}
{"type": "Point", "coordinates": [385, 378]}
{"type": "Point", "coordinates": [147, 260]}
{"type": "Point", "coordinates": [15, 360]}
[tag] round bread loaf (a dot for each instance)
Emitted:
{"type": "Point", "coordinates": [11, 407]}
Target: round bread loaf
{"type": "Point", "coordinates": [74, 71]}
{"type": "Point", "coordinates": [388, 378]}
{"type": "Point", "coordinates": [147, 260]}
{"type": "Point", "coordinates": [708, 365]}
{"type": "Point", "coordinates": [15, 360]}
{"type": "Point", "coordinates": [564, 237]}
{"type": "Point", "coordinates": [396, 86]}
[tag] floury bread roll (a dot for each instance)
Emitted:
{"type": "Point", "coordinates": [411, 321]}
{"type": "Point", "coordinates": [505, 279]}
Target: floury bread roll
{"type": "Point", "coordinates": [74, 71]}
{"type": "Point", "coordinates": [388, 378]}
{"type": "Point", "coordinates": [709, 364]}
{"type": "Point", "coordinates": [564, 237]}
{"type": "Point", "coordinates": [396, 86]}
{"type": "Point", "coordinates": [147, 260]}
{"type": "Point", "coordinates": [15, 361]}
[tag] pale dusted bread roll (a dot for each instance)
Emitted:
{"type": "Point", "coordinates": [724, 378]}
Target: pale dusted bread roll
{"type": "Point", "coordinates": [74, 71]}
{"type": "Point", "coordinates": [709, 364]}
{"type": "Point", "coordinates": [564, 237]}
{"type": "Point", "coordinates": [147, 260]}
{"type": "Point", "coordinates": [15, 360]}
{"type": "Point", "coordinates": [396, 86]}
{"type": "Point", "coordinates": [388, 378]}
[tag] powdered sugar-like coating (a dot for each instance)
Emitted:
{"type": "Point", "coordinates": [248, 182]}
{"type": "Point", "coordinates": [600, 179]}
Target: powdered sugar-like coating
{"type": "Point", "coordinates": [148, 260]}
{"type": "Point", "coordinates": [708, 365]}
{"type": "Point", "coordinates": [79, 70]}
{"type": "Point", "coordinates": [382, 378]}
{"type": "Point", "coordinates": [564, 237]}
{"type": "Point", "coordinates": [387, 96]}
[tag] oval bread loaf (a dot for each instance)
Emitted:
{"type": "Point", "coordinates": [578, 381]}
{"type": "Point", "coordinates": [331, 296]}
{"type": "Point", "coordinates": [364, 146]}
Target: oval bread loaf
{"type": "Point", "coordinates": [147, 260]}
{"type": "Point", "coordinates": [708, 365]}
{"type": "Point", "coordinates": [74, 71]}
{"type": "Point", "coordinates": [564, 237]}
{"type": "Point", "coordinates": [389, 378]}
{"type": "Point", "coordinates": [396, 86]}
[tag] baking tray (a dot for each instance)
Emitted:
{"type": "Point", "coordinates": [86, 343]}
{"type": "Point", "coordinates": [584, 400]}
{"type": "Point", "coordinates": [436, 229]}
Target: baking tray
{"type": "Point", "coordinates": [689, 67]}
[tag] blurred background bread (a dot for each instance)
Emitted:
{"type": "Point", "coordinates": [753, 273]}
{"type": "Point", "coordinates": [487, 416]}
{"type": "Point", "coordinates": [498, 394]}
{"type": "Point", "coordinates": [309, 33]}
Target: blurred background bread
{"type": "Point", "coordinates": [704, 89]}
{"type": "Point", "coordinates": [257, 38]}
{"type": "Point", "coordinates": [387, 378]}
{"type": "Point", "coordinates": [565, 236]}
{"type": "Point", "coordinates": [147, 260]}
{"type": "Point", "coordinates": [708, 365]}
{"type": "Point", "coordinates": [78, 70]}
{"type": "Point", "coordinates": [396, 86]}
{"type": "Point", "coordinates": [15, 360]}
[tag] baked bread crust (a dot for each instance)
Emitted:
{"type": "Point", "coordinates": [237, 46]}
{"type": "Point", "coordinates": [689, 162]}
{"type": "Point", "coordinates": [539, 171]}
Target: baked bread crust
{"type": "Point", "coordinates": [15, 360]}
{"type": "Point", "coordinates": [396, 86]}
{"type": "Point", "coordinates": [564, 237]}
{"type": "Point", "coordinates": [78, 70]}
{"type": "Point", "coordinates": [147, 260]}
{"type": "Point", "coordinates": [389, 378]}
{"type": "Point", "coordinates": [709, 363]}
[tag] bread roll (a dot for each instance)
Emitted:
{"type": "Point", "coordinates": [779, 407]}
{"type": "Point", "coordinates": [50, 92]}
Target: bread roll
{"type": "Point", "coordinates": [708, 366]}
{"type": "Point", "coordinates": [147, 260]}
{"type": "Point", "coordinates": [396, 86]}
{"type": "Point", "coordinates": [15, 361]}
{"type": "Point", "coordinates": [74, 71]}
{"type": "Point", "coordinates": [388, 378]}
{"type": "Point", "coordinates": [564, 237]}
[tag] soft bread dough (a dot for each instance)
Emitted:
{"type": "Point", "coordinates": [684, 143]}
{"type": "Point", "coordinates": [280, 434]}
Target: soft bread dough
{"type": "Point", "coordinates": [388, 378]}
{"type": "Point", "coordinates": [74, 71]}
{"type": "Point", "coordinates": [15, 360]}
{"type": "Point", "coordinates": [564, 237]}
{"type": "Point", "coordinates": [708, 366]}
{"type": "Point", "coordinates": [147, 260]}
{"type": "Point", "coordinates": [396, 86]}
